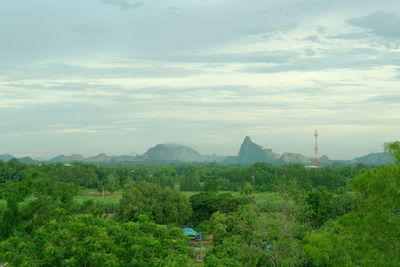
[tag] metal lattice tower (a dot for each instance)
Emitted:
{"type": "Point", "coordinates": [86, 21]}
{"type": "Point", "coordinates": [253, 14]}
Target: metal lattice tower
{"type": "Point", "coordinates": [316, 161]}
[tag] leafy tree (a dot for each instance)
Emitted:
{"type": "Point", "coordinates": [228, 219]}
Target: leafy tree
{"type": "Point", "coordinates": [10, 218]}
{"type": "Point", "coordinates": [211, 185]}
{"type": "Point", "coordinates": [163, 205]}
{"type": "Point", "coordinates": [141, 174]}
{"type": "Point", "coordinates": [394, 150]}
{"type": "Point", "coordinates": [48, 199]}
{"type": "Point", "coordinates": [91, 241]}
{"type": "Point", "coordinates": [13, 170]}
{"type": "Point", "coordinates": [82, 174]}
{"type": "Point", "coordinates": [190, 181]}
{"type": "Point", "coordinates": [247, 189]}
{"type": "Point", "coordinates": [205, 204]}
{"type": "Point", "coordinates": [343, 203]}
{"type": "Point", "coordinates": [319, 207]}
{"type": "Point", "coordinates": [368, 235]}
{"type": "Point", "coordinates": [110, 183]}
{"type": "Point", "coordinates": [166, 176]}
{"type": "Point", "coordinates": [244, 238]}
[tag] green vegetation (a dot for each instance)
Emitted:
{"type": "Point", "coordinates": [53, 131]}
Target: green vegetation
{"type": "Point", "coordinates": [368, 235]}
{"type": "Point", "coordinates": [258, 215]}
{"type": "Point", "coordinates": [91, 241]}
{"type": "Point", "coordinates": [162, 205]}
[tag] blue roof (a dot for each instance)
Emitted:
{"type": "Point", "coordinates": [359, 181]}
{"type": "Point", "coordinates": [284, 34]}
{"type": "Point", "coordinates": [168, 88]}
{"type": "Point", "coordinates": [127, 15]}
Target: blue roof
{"type": "Point", "coordinates": [189, 231]}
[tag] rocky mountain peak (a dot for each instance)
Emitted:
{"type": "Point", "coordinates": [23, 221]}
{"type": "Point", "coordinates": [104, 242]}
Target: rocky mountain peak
{"type": "Point", "coordinates": [251, 152]}
{"type": "Point", "coordinates": [247, 139]}
{"type": "Point", "coordinates": [173, 152]}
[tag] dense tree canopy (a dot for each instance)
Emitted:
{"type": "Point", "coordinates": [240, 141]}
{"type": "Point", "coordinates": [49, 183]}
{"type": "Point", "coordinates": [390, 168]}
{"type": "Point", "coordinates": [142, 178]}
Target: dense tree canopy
{"type": "Point", "coordinates": [257, 215]}
{"type": "Point", "coordinates": [90, 241]}
{"type": "Point", "coordinates": [367, 236]}
{"type": "Point", "coordinates": [163, 205]}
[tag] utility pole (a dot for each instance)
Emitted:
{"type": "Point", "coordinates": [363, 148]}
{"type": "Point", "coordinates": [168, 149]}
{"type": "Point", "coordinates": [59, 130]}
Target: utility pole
{"type": "Point", "coordinates": [316, 161]}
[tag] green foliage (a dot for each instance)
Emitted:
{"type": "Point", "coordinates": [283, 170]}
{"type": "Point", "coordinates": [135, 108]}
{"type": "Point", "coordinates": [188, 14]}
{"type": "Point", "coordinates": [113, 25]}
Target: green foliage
{"type": "Point", "coordinates": [205, 204]}
{"type": "Point", "coordinates": [81, 174]}
{"type": "Point", "coordinates": [163, 205]}
{"type": "Point", "coordinates": [96, 204]}
{"type": "Point", "coordinates": [233, 235]}
{"type": "Point", "coordinates": [3, 206]}
{"type": "Point", "coordinates": [367, 236]}
{"type": "Point", "coordinates": [303, 217]}
{"type": "Point", "coordinates": [111, 183]}
{"type": "Point", "coordinates": [211, 185]}
{"type": "Point", "coordinates": [90, 241]}
{"type": "Point", "coordinates": [165, 176]}
{"type": "Point", "coordinates": [343, 203]}
{"type": "Point", "coordinates": [10, 218]}
{"type": "Point", "coordinates": [190, 181]}
{"type": "Point", "coordinates": [394, 150]}
{"type": "Point", "coordinates": [14, 170]}
{"type": "Point", "coordinates": [34, 201]}
{"type": "Point", "coordinates": [211, 177]}
{"type": "Point", "coordinates": [247, 237]}
{"type": "Point", "coordinates": [247, 189]}
{"type": "Point", "coordinates": [240, 223]}
{"type": "Point", "coordinates": [319, 207]}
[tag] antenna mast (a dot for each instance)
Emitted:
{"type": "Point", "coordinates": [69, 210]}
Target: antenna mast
{"type": "Point", "coordinates": [316, 161]}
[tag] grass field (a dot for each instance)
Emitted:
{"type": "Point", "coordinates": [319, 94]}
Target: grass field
{"type": "Point", "coordinates": [188, 193]}
{"type": "Point", "coordinates": [271, 202]}
{"type": "Point", "coordinates": [112, 198]}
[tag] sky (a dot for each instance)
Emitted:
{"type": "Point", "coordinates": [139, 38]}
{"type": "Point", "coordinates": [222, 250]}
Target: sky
{"type": "Point", "coordinates": [119, 76]}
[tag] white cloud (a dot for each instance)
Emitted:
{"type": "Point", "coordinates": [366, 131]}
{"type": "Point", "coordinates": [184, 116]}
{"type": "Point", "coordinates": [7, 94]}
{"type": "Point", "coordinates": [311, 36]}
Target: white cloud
{"type": "Point", "coordinates": [122, 4]}
{"type": "Point", "coordinates": [193, 71]}
{"type": "Point", "coordinates": [385, 24]}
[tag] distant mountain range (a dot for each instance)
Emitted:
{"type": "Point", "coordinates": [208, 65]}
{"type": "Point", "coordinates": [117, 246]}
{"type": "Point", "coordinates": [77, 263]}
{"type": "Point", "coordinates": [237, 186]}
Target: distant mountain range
{"type": "Point", "coordinates": [6, 157]}
{"type": "Point", "coordinates": [249, 153]}
{"type": "Point", "coordinates": [371, 159]}
{"type": "Point", "coordinates": [174, 152]}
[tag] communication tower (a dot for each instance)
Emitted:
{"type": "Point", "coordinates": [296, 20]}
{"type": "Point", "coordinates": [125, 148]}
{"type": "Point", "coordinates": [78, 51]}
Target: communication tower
{"type": "Point", "coordinates": [316, 161]}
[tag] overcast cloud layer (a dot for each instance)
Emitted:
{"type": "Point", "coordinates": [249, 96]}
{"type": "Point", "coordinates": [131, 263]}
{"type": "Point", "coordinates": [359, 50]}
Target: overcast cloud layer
{"type": "Point", "coordinates": [119, 76]}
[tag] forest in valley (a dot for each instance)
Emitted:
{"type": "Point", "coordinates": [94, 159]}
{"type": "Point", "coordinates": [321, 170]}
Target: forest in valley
{"type": "Point", "coordinates": [256, 215]}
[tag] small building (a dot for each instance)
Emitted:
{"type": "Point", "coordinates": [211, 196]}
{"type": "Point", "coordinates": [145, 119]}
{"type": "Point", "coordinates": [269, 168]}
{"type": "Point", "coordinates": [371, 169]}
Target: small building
{"type": "Point", "coordinates": [187, 231]}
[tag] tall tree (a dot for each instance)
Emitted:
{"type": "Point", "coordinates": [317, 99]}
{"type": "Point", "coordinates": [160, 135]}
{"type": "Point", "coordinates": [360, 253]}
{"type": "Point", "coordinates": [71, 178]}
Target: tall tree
{"type": "Point", "coordinates": [369, 235]}
{"type": "Point", "coordinates": [163, 205]}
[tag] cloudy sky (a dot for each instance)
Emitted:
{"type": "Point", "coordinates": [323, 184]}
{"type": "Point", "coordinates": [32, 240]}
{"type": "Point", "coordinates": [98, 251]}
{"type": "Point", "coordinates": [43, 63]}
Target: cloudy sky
{"type": "Point", "coordinates": [119, 76]}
